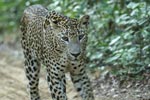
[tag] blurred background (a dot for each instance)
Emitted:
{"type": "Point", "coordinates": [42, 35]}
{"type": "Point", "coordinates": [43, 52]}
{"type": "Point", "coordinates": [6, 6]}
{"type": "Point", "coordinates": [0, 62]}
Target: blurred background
{"type": "Point", "coordinates": [118, 50]}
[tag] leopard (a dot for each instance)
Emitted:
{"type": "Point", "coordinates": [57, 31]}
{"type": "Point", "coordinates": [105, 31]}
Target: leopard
{"type": "Point", "coordinates": [57, 42]}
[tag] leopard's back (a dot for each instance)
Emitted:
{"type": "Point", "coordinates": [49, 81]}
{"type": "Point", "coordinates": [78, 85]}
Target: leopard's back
{"type": "Point", "coordinates": [32, 26]}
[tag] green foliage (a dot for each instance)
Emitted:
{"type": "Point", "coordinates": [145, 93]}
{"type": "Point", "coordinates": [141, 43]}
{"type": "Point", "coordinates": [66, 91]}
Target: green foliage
{"type": "Point", "coordinates": [120, 38]}
{"type": "Point", "coordinates": [119, 33]}
{"type": "Point", "coordinates": [11, 11]}
{"type": "Point", "coordinates": [9, 14]}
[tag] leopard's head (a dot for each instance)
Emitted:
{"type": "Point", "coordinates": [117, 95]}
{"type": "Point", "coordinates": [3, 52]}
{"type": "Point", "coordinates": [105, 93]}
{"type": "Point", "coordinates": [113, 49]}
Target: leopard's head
{"type": "Point", "coordinates": [70, 35]}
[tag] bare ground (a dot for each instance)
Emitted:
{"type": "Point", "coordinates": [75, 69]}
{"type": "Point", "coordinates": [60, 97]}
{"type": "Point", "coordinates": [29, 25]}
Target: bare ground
{"type": "Point", "coordinates": [13, 82]}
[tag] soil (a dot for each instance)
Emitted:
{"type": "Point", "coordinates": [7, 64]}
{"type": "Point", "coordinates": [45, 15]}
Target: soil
{"type": "Point", "coordinates": [13, 82]}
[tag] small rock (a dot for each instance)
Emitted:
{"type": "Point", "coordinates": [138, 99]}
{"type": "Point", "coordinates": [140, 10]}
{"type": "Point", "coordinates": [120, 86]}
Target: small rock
{"type": "Point", "coordinates": [123, 91]}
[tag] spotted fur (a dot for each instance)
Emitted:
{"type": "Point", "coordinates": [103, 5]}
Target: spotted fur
{"type": "Point", "coordinates": [59, 43]}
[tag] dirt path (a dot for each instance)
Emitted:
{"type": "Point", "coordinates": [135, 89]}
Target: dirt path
{"type": "Point", "coordinates": [13, 82]}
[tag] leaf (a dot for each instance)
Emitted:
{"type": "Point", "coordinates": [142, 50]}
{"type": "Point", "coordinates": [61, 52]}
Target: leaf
{"type": "Point", "coordinates": [96, 56]}
{"type": "Point", "coordinates": [132, 5]}
{"type": "Point", "coordinates": [114, 40]}
{"type": "Point", "coordinates": [111, 59]}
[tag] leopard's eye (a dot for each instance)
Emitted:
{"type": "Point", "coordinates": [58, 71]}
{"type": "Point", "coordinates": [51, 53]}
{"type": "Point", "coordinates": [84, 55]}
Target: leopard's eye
{"type": "Point", "coordinates": [65, 38]}
{"type": "Point", "coordinates": [81, 36]}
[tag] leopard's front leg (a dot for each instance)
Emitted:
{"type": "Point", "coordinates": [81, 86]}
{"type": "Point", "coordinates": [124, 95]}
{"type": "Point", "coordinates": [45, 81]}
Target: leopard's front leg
{"type": "Point", "coordinates": [32, 69]}
{"type": "Point", "coordinates": [81, 81]}
{"type": "Point", "coordinates": [56, 81]}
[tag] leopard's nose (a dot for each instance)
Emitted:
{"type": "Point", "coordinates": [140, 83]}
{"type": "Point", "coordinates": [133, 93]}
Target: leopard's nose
{"type": "Point", "coordinates": [75, 55]}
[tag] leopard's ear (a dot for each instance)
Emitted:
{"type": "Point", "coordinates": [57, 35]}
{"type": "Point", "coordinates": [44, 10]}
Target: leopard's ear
{"type": "Point", "coordinates": [84, 21]}
{"type": "Point", "coordinates": [51, 21]}
{"type": "Point", "coordinates": [54, 17]}
{"type": "Point", "coordinates": [46, 23]}
{"type": "Point", "coordinates": [56, 20]}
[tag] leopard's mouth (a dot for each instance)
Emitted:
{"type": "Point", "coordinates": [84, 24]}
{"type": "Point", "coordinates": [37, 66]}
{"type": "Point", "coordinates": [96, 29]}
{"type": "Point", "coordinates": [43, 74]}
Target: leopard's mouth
{"type": "Point", "coordinates": [72, 58]}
